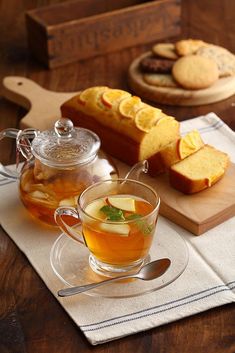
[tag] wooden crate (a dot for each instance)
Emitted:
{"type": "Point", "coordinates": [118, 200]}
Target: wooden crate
{"type": "Point", "coordinates": [70, 31]}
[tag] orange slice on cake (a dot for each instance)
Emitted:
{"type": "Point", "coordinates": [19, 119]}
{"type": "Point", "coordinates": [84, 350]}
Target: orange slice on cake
{"type": "Point", "coordinates": [146, 118]}
{"type": "Point", "coordinates": [113, 96]}
{"type": "Point", "coordinates": [129, 106]}
{"type": "Point", "coordinates": [89, 94]}
{"type": "Point", "coordinates": [189, 144]}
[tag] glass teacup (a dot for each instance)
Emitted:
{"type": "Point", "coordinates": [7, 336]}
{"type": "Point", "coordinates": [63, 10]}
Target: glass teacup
{"type": "Point", "coordinates": [118, 221]}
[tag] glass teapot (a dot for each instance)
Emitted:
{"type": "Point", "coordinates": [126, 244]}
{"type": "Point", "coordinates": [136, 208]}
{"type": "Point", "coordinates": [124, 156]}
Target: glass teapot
{"type": "Point", "coordinates": [59, 165]}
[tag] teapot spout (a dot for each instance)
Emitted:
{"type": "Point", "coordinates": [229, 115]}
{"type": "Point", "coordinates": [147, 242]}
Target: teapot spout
{"type": "Point", "coordinates": [137, 169]}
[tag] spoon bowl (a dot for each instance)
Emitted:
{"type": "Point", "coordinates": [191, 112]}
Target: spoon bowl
{"type": "Point", "coordinates": [148, 272]}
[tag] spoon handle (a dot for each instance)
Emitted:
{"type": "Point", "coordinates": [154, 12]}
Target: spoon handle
{"type": "Point", "coordinates": [80, 289]}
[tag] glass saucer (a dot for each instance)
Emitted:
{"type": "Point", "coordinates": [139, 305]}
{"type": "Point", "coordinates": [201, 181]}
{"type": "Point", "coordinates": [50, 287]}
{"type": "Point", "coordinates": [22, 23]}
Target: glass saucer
{"type": "Point", "coordinates": [70, 262]}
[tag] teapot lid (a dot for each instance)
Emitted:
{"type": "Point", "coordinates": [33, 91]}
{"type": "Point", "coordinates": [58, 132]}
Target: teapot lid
{"type": "Point", "coordinates": [65, 145]}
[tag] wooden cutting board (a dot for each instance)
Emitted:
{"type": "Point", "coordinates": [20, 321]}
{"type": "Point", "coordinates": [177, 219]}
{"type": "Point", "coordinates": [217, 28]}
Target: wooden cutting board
{"type": "Point", "coordinates": [222, 89]}
{"type": "Point", "coordinates": [201, 211]}
{"type": "Point", "coordinates": [43, 105]}
{"type": "Point", "coordinates": [197, 213]}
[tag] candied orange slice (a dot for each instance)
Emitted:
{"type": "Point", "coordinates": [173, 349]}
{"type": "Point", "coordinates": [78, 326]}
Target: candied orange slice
{"type": "Point", "coordinates": [89, 93]}
{"type": "Point", "coordinates": [113, 96]}
{"type": "Point", "coordinates": [146, 118]}
{"type": "Point", "coordinates": [129, 106]}
{"type": "Point", "coordinates": [189, 144]}
{"type": "Point", "coordinates": [163, 118]}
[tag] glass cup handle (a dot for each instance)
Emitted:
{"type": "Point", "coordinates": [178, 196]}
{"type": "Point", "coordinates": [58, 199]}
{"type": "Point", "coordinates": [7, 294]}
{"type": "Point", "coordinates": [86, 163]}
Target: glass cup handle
{"type": "Point", "coordinates": [68, 230]}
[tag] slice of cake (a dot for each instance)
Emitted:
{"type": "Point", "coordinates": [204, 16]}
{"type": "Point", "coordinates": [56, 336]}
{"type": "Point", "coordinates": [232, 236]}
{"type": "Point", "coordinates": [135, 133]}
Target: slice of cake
{"type": "Point", "coordinates": [177, 150]}
{"type": "Point", "coordinates": [199, 171]}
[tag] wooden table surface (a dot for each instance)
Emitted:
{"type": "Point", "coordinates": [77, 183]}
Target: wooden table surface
{"type": "Point", "coordinates": [31, 320]}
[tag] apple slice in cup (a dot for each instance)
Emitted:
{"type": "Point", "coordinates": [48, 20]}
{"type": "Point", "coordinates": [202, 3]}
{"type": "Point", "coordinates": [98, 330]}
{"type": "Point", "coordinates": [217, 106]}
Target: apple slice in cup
{"type": "Point", "coordinates": [120, 229]}
{"type": "Point", "coordinates": [93, 209]}
{"type": "Point", "coordinates": [122, 203]}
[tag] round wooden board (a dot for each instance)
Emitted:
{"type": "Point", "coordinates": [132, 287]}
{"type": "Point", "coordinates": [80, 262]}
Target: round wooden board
{"type": "Point", "coordinates": [222, 89]}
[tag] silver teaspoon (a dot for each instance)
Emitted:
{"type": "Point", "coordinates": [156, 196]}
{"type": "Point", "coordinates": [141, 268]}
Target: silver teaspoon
{"type": "Point", "coordinates": [149, 271]}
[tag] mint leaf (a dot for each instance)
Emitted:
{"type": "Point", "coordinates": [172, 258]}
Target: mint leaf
{"type": "Point", "coordinates": [143, 226]}
{"type": "Point", "coordinates": [113, 213]}
{"type": "Point", "coordinates": [133, 216]}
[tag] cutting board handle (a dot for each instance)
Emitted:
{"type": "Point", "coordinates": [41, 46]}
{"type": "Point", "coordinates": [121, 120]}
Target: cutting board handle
{"type": "Point", "coordinates": [43, 105]}
{"type": "Point", "coordinates": [22, 91]}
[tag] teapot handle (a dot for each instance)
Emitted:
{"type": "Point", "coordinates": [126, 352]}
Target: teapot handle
{"type": "Point", "coordinates": [4, 171]}
{"type": "Point", "coordinates": [23, 143]}
{"type": "Point", "coordinates": [22, 139]}
{"type": "Point", "coordinates": [68, 230]}
{"type": "Point", "coordinates": [9, 133]}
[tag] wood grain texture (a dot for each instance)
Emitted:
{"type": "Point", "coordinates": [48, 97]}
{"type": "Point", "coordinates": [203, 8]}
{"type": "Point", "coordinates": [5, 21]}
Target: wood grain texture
{"type": "Point", "coordinates": [31, 320]}
{"type": "Point", "coordinates": [74, 30]}
{"type": "Point", "coordinates": [220, 90]}
{"type": "Point", "coordinates": [43, 105]}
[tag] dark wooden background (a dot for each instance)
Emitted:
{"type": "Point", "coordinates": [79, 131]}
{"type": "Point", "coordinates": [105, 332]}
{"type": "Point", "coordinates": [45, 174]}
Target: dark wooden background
{"type": "Point", "coordinates": [31, 320]}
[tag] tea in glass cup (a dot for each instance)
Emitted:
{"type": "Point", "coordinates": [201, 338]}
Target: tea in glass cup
{"type": "Point", "coordinates": [118, 221]}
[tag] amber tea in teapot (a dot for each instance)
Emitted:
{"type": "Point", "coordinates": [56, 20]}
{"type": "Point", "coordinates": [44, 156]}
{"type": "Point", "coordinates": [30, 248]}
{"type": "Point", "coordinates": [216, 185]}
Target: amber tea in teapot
{"type": "Point", "coordinates": [59, 165]}
{"type": "Point", "coordinates": [43, 189]}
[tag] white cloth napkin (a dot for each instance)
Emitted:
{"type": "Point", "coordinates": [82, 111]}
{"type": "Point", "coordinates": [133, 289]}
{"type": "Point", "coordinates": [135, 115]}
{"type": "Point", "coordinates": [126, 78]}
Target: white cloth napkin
{"type": "Point", "coordinates": [207, 282]}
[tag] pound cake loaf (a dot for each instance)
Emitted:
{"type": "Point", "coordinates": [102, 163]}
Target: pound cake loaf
{"type": "Point", "coordinates": [199, 171]}
{"type": "Point", "coordinates": [177, 150]}
{"type": "Point", "coordinates": [129, 129]}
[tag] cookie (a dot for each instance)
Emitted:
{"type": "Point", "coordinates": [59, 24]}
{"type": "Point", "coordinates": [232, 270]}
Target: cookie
{"type": "Point", "coordinates": [188, 46]}
{"type": "Point", "coordinates": [165, 50]}
{"type": "Point", "coordinates": [155, 65]}
{"type": "Point", "coordinates": [195, 72]}
{"type": "Point", "coordinates": [160, 80]}
{"type": "Point", "coordinates": [224, 59]}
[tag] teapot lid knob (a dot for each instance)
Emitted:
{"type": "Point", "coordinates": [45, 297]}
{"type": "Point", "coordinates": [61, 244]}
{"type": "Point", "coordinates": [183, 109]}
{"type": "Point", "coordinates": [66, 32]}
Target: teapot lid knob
{"type": "Point", "coordinates": [64, 127]}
